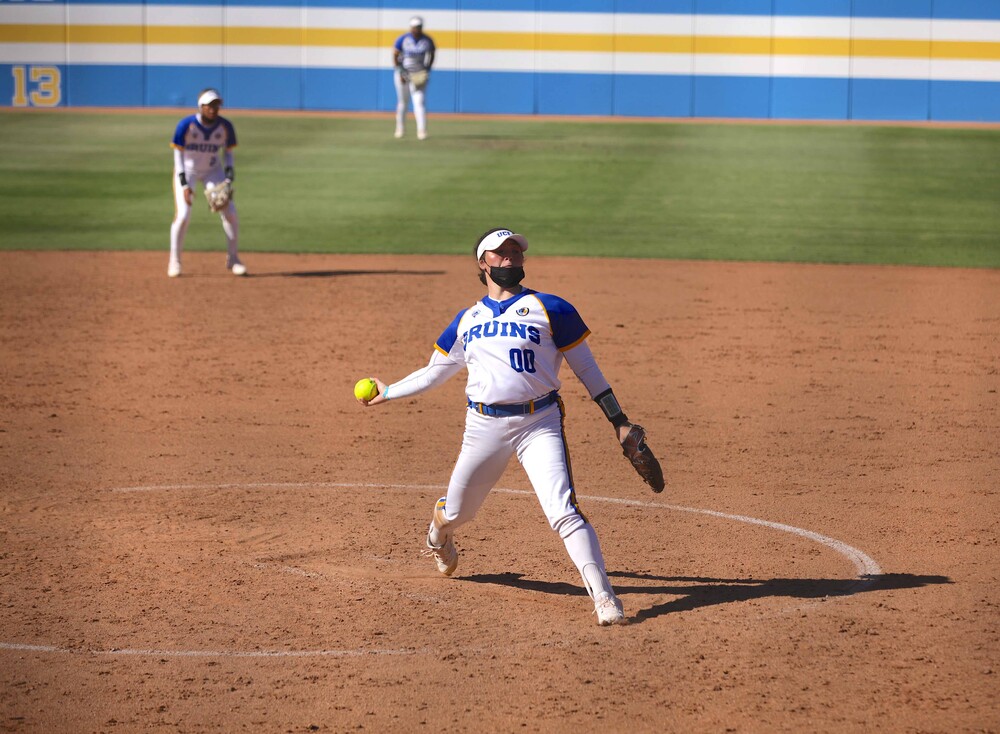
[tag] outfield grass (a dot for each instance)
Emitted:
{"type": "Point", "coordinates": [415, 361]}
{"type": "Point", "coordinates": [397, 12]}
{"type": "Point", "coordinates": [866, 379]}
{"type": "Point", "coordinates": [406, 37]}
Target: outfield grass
{"type": "Point", "coordinates": [846, 194]}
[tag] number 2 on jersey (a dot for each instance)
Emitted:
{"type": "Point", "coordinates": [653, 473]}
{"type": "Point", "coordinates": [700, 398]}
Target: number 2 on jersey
{"type": "Point", "coordinates": [522, 360]}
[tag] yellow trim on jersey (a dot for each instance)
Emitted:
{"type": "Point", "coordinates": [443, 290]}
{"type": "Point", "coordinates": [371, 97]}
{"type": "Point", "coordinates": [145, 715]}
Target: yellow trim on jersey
{"type": "Point", "coordinates": [578, 341]}
{"type": "Point", "coordinates": [440, 349]}
{"type": "Point", "coordinates": [552, 332]}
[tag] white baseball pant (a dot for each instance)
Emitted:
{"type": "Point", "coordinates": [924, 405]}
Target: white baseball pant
{"type": "Point", "coordinates": [182, 216]}
{"type": "Point", "coordinates": [405, 91]}
{"type": "Point", "coordinates": [539, 443]}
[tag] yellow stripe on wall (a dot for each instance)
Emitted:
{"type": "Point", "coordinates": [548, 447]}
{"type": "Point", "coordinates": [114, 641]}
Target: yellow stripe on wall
{"type": "Point", "coordinates": [654, 44]}
{"type": "Point", "coordinates": [32, 34]}
{"type": "Point", "coordinates": [891, 49]}
{"type": "Point", "coordinates": [198, 35]}
{"type": "Point", "coordinates": [504, 41]}
{"type": "Point", "coordinates": [105, 33]}
{"type": "Point", "coordinates": [732, 45]}
{"type": "Point", "coordinates": [982, 50]}
{"type": "Point", "coordinates": [344, 37]}
{"type": "Point", "coordinates": [251, 36]}
{"type": "Point", "coordinates": [812, 47]}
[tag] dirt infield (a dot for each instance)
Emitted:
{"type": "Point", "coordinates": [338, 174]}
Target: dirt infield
{"type": "Point", "coordinates": [200, 530]}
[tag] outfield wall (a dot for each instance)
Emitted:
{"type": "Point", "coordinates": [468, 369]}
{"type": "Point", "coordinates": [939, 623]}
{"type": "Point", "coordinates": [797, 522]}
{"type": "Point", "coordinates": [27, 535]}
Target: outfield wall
{"type": "Point", "coordinates": [799, 59]}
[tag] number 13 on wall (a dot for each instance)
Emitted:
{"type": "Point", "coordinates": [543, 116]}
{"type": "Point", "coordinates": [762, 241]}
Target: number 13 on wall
{"type": "Point", "coordinates": [45, 84]}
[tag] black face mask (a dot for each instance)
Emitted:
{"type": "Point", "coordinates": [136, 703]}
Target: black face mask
{"type": "Point", "coordinates": [507, 277]}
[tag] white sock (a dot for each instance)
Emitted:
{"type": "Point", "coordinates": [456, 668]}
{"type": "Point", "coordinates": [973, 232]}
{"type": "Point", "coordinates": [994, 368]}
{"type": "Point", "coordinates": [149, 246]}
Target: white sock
{"type": "Point", "coordinates": [585, 551]}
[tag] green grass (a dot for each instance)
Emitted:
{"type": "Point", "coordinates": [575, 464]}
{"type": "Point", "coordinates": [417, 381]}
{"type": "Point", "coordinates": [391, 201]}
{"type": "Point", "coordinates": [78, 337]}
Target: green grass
{"type": "Point", "coordinates": [847, 194]}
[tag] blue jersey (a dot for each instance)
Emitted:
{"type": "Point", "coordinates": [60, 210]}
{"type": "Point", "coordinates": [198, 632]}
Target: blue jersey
{"type": "Point", "coordinates": [513, 349]}
{"type": "Point", "coordinates": [414, 53]}
{"type": "Point", "coordinates": [203, 147]}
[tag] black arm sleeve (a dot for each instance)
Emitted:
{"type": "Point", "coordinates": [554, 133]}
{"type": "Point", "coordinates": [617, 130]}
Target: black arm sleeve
{"type": "Point", "coordinates": [612, 410]}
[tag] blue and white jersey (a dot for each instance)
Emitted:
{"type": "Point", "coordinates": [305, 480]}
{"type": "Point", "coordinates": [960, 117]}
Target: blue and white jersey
{"type": "Point", "coordinates": [203, 148]}
{"type": "Point", "coordinates": [513, 349]}
{"type": "Point", "coordinates": [414, 53]}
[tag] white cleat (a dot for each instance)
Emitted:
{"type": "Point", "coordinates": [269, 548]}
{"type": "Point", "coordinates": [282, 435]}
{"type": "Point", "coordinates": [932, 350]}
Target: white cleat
{"type": "Point", "coordinates": [422, 135]}
{"type": "Point", "coordinates": [398, 134]}
{"type": "Point", "coordinates": [173, 269]}
{"type": "Point", "coordinates": [446, 554]}
{"type": "Point", "coordinates": [608, 609]}
{"type": "Point", "coordinates": [238, 268]}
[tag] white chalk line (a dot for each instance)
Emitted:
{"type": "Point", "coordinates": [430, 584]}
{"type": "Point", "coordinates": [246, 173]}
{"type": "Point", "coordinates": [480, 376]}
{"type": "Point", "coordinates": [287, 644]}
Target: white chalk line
{"type": "Point", "coordinates": [864, 564]}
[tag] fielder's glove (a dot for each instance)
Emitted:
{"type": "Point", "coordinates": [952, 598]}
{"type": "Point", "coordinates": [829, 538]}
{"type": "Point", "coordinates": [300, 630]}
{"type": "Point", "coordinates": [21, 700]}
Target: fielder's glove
{"type": "Point", "coordinates": [638, 453]}
{"type": "Point", "coordinates": [219, 196]}
{"type": "Point", "coordinates": [419, 78]}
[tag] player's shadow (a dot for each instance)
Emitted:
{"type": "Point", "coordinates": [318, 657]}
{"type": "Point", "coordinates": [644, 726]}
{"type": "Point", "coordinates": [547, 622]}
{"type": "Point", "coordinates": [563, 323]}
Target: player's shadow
{"type": "Point", "coordinates": [692, 592]}
{"type": "Point", "coordinates": [340, 273]}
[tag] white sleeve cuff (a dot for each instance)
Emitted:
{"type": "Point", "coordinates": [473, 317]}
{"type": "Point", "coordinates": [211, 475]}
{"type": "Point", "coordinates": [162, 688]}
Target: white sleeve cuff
{"type": "Point", "coordinates": [437, 372]}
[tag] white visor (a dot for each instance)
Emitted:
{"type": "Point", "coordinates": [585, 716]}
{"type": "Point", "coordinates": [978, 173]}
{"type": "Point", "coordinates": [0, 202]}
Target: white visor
{"type": "Point", "coordinates": [416, 22]}
{"type": "Point", "coordinates": [494, 239]}
{"type": "Point", "coordinates": [208, 97]}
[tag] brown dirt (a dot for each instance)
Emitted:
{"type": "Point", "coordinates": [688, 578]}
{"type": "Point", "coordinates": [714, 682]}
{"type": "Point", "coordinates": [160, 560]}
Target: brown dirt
{"type": "Point", "coordinates": [201, 530]}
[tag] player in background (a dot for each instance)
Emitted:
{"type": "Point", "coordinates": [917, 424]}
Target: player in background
{"type": "Point", "coordinates": [203, 151]}
{"type": "Point", "coordinates": [412, 57]}
{"type": "Point", "coordinates": [513, 343]}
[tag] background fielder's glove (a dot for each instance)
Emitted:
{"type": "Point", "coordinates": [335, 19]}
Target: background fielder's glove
{"type": "Point", "coordinates": [638, 453]}
{"type": "Point", "coordinates": [219, 196]}
{"type": "Point", "coordinates": [419, 78]}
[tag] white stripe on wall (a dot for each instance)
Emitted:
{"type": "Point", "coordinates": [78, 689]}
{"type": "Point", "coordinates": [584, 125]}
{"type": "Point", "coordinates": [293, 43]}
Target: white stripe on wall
{"type": "Point", "coordinates": [965, 30]}
{"type": "Point", "coordinates": [795, 27]}
{"type": "Point", "coordinates": [104, 14]}
{"type": "Point", "coordinates": [872, 68]}
{"type": "Point", "coordinates": [33, 53]}
{"type": "Point", "coordinates": [105, 53]}
{"type": "Point", "coordinates": [29, 14]}
{"type": "Point", "coordinates": [959, 71]}
{"type": "Point", "coordinates": [733, 25]}
{"type": "Point", "coordinates": [184, 55]}
{"type": "Point", "coordinates": [895, 29]}
{"type": "Point", "coordinates": [160, 15]}
{"type": "Point", "coordinates": [732, 64]}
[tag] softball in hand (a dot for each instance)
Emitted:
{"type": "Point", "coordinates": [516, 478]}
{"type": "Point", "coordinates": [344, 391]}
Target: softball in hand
{"type": "Point", "coordinates": [365, 389]}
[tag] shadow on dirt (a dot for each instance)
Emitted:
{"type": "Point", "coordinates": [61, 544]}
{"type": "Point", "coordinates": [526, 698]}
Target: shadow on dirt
{"type": "Point", "coordinates": [341, 273]}
{"type": "Point", "coordinates": [695, 592]}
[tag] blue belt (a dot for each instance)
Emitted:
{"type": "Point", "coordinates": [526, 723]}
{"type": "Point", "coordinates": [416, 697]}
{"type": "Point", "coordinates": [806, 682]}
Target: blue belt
{"type": "Point", "coordinates": [527, 408]}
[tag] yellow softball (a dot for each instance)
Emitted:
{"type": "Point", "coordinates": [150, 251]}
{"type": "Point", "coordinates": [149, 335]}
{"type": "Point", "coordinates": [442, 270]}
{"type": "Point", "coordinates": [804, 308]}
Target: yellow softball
{"type": "Point", "coordinates": [365, 389]}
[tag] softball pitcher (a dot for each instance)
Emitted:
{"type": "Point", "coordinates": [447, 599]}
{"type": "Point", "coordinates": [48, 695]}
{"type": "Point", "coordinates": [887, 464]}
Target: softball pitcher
{"type": "Point", "coordinates": [513, 342]}
{"type": "Point", "coordinates": [203, 151]}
